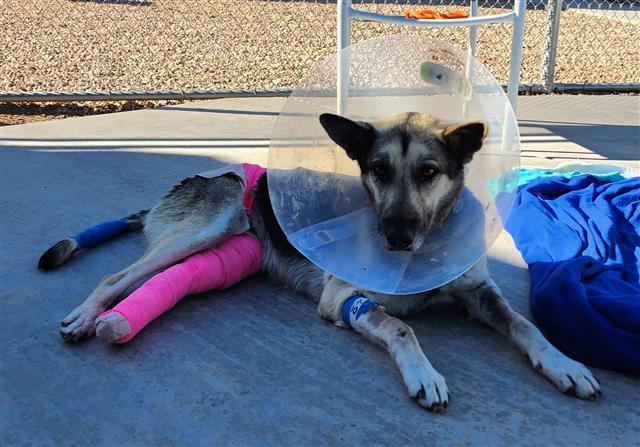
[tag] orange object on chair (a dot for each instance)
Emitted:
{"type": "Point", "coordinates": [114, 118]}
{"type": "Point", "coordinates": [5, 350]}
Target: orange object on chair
{"type": "Point", "coordinates": [430, 14]}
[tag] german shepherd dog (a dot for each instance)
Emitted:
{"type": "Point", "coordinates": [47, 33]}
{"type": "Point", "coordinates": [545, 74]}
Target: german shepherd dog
{"type": "Point", "coordinates": [412, 167]}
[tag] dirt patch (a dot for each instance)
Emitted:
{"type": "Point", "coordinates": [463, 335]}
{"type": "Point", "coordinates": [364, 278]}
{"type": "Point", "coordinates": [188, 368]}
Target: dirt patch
{"type": "Point", "coordinates": [22, 113]}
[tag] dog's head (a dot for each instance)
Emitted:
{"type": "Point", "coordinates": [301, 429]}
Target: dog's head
{"type": "Point", "coordinates": [411, 166]}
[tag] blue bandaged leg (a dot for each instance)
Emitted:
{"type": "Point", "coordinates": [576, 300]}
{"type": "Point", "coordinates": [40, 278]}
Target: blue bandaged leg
{"type": "Point", "coordinates": [101, 233]}
{"type": "Point", "coordinates": [355, 307]}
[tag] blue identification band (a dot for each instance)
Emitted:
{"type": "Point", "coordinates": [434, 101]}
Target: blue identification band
{"type": "Point", "coordinates": [101, 233]}
{"type": "Point", "coordinates": [355, 307]}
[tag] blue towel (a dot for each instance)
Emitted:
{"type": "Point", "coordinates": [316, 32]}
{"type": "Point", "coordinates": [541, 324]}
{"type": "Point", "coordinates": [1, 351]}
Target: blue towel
{"type": "Point", "coordinates": [580, 237]}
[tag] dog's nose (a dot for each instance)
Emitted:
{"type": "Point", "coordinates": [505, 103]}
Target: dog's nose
{"type": "Point", "coordinates": [400, 231]}
{"type": "Point", "coordinates": [399, 241]}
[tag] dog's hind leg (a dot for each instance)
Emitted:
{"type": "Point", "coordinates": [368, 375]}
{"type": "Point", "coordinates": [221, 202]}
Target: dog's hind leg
{"type": "Point", "coordinates": [423, 382]}
{"type": "Point", "coordinates": [195, 215]}
{"type": "Point", "coordinates": [80, 323]}
{"type": "Point", "coordinates": [484, 302]}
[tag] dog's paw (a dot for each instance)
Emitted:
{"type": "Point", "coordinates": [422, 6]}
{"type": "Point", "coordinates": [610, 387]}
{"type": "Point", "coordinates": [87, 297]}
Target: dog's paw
{"type": "Point", "coordinates": [112, 327]}
{"type": "Point", "coordinates": [80, 324]}
{"type": "Point", "coordinates": [567, 375]}
{"type": "Point", "coordinates": [427, 387]}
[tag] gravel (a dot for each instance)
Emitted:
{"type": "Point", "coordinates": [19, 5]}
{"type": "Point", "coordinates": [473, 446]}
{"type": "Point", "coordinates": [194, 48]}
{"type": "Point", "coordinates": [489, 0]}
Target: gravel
{"type": "Point", "coordinates": [63, 45]}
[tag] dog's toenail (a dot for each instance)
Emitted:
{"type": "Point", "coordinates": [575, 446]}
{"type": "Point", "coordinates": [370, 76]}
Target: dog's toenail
{"type": "Point", "coordinates": [420, 394]}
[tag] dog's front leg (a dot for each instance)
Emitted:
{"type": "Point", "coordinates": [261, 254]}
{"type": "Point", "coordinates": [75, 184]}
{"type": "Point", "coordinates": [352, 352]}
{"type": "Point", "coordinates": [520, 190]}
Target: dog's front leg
{"type": "Point", "coordinates": [485, 302]}
{"type": "Point", "coordinates": [423, 382]}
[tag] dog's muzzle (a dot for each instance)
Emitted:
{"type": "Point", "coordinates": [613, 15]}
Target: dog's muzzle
{"type": "Point", "coordinates": [400, 231]}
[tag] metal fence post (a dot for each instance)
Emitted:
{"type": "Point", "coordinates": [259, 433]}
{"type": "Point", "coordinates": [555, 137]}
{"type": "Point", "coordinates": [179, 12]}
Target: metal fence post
{"type": "Point", "coordinates": [473, 30]}
{"type": "Point", "coordinates": [550, 48]}
{"type": "Point", "coordinates": [520, 8]}
{"type": "Point", "coordinates": [343, 59]}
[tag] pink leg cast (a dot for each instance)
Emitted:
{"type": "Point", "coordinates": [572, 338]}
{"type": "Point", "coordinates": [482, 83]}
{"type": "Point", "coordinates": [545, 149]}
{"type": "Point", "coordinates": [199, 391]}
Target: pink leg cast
{"type": "Point", "coordinates": [215, 269]}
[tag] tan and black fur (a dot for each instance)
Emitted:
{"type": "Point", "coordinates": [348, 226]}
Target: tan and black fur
{"type": "Point", "coordinates": [412, 167]}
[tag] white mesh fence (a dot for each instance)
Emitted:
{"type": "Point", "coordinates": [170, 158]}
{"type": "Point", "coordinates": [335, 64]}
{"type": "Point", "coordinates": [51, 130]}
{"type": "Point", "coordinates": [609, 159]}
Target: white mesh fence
{"type": "Point", "coordinates": [74, 45]}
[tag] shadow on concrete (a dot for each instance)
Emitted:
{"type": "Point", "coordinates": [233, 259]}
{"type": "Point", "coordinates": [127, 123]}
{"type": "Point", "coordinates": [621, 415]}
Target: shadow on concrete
{"type": "Point", "coordinates": [236, 112]}
{"type": "Point", "coordinates": [75, 141]}
{"type": "Point", "coordinates": [225, 111]}
{"type": "Point", "coordinates": [615, 142]}
{"type": "Point", "coordinates": [116, 147]}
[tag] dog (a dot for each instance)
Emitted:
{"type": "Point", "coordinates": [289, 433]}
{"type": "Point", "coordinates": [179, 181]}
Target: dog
{"type": "Point", "coordinates": [412, 168]}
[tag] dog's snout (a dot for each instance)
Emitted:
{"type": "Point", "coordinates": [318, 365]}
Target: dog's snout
{"type": "Point", "coordinates": [400, 231]}
{"type": "Point", "coordinates": [399, 241]}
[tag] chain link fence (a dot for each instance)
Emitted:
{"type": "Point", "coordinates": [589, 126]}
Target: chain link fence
{"type": "Point", "coordinates": [97, 45]}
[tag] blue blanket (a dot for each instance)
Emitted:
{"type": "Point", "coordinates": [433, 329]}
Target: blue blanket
{"type": "Point", "coordinates": [580, 237]}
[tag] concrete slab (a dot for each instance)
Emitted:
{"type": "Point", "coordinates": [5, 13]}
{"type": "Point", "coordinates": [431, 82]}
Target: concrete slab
{"type": "Point", "coordinates": [254, 365]}
{"type": "Point", "coordinates": [556, 129]}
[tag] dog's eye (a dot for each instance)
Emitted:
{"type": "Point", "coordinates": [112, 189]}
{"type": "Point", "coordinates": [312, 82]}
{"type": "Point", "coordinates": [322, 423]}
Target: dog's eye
{"type": "Point", "coordinates": [427, 174]}
{"type": "Point", "coordinates": [379, 171]}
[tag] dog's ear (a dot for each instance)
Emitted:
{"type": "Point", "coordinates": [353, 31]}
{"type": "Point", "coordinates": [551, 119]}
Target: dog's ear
{"type": "Point", "coordinates": [355, 137]}
{"type": "Point", "coordinates": [465, 139]}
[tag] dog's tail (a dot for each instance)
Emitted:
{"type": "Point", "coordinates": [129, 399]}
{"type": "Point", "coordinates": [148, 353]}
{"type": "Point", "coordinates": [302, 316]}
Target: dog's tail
{"type": "Point", "coordinates": [62, 251]}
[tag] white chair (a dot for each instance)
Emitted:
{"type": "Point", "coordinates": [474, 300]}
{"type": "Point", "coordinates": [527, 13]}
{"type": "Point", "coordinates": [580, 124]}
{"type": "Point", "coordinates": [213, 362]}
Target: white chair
{"type": "Point", "coordinates": [347, 13]}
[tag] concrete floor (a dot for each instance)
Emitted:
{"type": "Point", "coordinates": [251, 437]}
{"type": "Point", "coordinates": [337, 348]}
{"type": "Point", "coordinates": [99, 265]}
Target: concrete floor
{"type": "Point", "coordinates": [254, 365]}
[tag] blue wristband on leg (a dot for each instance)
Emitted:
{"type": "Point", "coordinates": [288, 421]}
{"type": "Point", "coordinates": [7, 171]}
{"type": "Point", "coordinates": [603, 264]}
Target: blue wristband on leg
{"type": "Point", "coordinates": [101, 233]}
{"type": "Point", "coordinates": [356, 306]}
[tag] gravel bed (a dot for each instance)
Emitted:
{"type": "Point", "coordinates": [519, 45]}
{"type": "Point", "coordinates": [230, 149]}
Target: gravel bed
{"type": "Point", "coordinates": [171, 44]}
